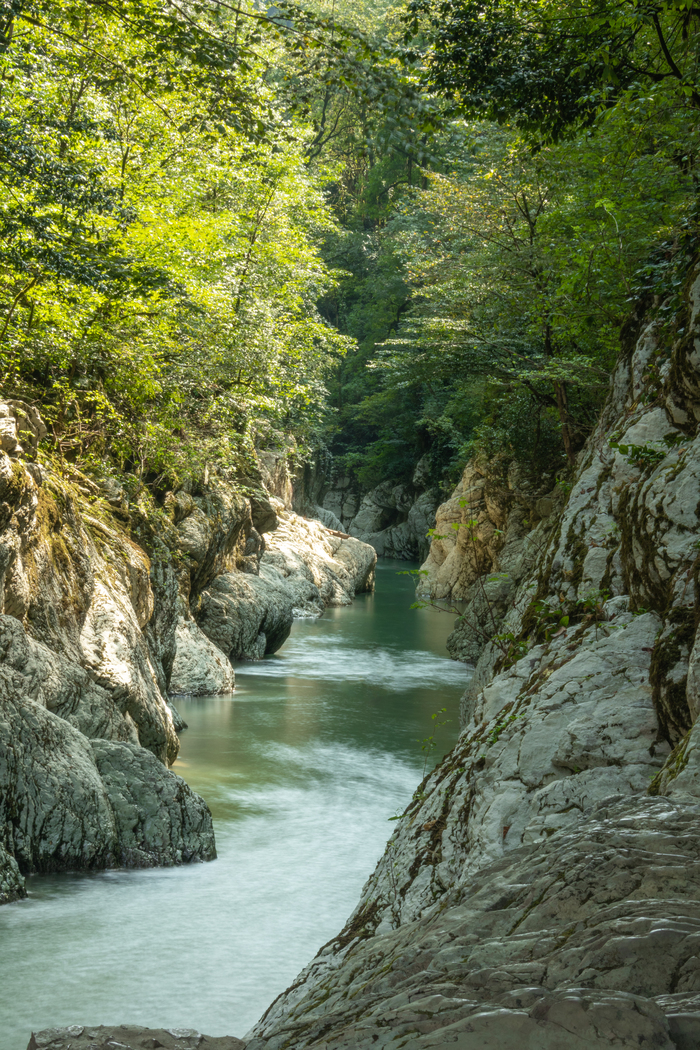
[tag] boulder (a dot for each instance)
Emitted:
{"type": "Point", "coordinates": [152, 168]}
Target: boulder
{"type": "Point", "coordinates": [304, 550]}
{"type": "Point", "coordinates": [69, 803]}
{"type": "Point", "coordinates": [200, 668]}
{"type": "Point", "coordinates": [246, 616]}
{"type": "Point", "coordinates": [177, 830]}
{"type": "Point", "coordinates": [327, 518]}
{"type": "Point", "coordinates": [304, 569]}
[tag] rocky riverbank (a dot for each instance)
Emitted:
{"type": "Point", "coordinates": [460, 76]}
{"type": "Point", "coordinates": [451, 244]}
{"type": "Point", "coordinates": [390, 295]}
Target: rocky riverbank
{"type": "Point", "coordinates": [543, 887]}
{"type": "Point", "coordinates": [111, 604]}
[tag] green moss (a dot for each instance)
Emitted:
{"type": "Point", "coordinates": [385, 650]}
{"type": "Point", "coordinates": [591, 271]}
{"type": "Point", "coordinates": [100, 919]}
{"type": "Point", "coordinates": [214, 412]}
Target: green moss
{"type": "Point", "coordinates": [675, 764]}
{"type": "Point", "coordinates": [670, 697]}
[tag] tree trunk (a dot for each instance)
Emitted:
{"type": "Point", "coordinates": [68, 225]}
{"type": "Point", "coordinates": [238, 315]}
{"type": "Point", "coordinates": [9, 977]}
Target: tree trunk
{"type": "Point", "coordinates": [563, 409]}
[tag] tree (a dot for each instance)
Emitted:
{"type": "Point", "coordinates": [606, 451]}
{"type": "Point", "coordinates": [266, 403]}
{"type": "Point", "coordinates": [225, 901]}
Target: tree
{"type": "Point", "coordinates": [552, 66]}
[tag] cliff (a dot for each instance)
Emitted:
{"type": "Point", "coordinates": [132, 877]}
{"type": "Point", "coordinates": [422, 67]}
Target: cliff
{"type": "Point", "coordinates": [109, 604]}
{"type": "Point", "coordinates": [543, 886]}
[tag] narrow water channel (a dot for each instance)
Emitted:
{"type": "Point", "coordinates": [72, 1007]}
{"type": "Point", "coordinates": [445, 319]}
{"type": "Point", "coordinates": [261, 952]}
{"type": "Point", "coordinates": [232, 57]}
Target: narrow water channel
{"type": "Point", "coordinates": [303, 767]}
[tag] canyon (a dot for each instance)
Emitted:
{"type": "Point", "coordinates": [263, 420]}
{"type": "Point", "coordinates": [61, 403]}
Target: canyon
{"type": "Point", "coordinates": [542, 888]}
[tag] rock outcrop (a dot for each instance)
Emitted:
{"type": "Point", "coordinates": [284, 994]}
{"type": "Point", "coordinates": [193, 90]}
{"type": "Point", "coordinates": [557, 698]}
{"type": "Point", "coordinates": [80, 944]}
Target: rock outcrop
{"type": "Point", "coordinates": [129, 1037]}
{"type": "Point", "coordinates": [200, 668]}
{"type": "Point", "coordinates": [542, 888]}
{"type": "Point", "coordinates": [11, 881]}
{"type": "Point", "coordinates": [98, 598]}
{"type": "Point", "coordinates": [483, 547]}
{"type": "Point", "coordinates": [392, 518]}
{"type": "Point", "coordinates": [304, 569]}
{"type": "Point", "coordinates": [81, 712]}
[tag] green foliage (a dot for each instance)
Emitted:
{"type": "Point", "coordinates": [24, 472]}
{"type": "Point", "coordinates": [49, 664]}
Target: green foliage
{"type": "Point", "coordinates": [159, 254]}
{"type": "Point", "coordinates": [553, 65]}
{"type": "Point", "coordinates": [428, 744]}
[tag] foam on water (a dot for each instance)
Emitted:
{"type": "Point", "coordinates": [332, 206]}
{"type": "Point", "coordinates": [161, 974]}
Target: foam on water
{"type": "Point", "coordinates": [337, 659]}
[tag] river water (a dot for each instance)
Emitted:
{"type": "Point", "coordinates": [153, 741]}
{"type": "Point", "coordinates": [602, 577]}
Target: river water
{"type": "Point", "coordinates": [302, 766]}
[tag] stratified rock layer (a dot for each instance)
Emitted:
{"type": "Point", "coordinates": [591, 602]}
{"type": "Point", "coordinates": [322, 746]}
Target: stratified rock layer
{"type": "Point", "coordinates": [589, 941]}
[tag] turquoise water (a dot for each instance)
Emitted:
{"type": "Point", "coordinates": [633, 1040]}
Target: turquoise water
{"type": "Point", "coordinates": [302, 767]}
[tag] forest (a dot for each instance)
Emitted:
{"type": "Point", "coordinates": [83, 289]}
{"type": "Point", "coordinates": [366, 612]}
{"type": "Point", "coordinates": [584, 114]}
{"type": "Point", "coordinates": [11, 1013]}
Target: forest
{"type": "Point", "coordinates": [365, 231]}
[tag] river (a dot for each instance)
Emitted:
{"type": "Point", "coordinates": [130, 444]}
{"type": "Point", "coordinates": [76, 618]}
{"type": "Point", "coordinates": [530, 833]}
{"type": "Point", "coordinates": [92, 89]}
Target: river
{"type": "Point", "coordinates": [302, 766]}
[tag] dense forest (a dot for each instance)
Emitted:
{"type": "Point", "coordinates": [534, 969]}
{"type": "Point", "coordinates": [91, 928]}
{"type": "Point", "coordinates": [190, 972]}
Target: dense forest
{"type": "Point", "coordinates": [372, 232]}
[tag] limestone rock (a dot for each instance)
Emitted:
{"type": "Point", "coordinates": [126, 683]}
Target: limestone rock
{"type": "Point", "coordinates": [246, 616]}
{"type": "Point", "coordinates": [68, 803]}
{"type": "Point", "coordinates": [342, 500]}
{"type": "Point", "coordinates": [158, 819]}
{"type": "Point", "coordinates": [576, 941]}
{"type": "Point", "coordinates": [328, 518]}
{"type": "Point", "coordinates": [304, 569]}
{"type": "Point", "coordinates": [537, 891]}
{"type": "Point", "coordinates": [11, 881]}
{"type": "Point", "coordinates": [62, 686]}
{"type": "Point", "coordinates": [116, 653]}
{"type": "Point", "coordinates": [52, 798]}
{"type": "Point", "coordinates": [395, 519]}
{"type": "Point", "coordinates": [129, 1037]}
{"type": "Point", "coordinates": [304, 550]}
{"type": "Point", "coordinates": [30, 427]}
{"type": "Point", "coordinates": [9, 440]}
{"type": "Point", "coordinates": [200, 668]}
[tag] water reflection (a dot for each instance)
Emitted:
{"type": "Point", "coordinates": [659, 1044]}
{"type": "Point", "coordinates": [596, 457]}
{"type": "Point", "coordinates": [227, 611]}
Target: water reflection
{"type": "Point", "coordinates": [302, 766]}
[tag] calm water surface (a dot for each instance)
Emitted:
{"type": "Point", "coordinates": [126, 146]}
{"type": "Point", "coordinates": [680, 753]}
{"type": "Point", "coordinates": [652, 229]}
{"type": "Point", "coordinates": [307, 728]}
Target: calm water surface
{"type": "Point", "coordinates": [302, 768]}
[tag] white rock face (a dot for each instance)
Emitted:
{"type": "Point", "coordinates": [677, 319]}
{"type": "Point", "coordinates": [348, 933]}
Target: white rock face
{"type": "Point", "coordinates": [542, 889]}
{"type": "Point", "coordinates": [85, 724]}
{"type": "Point", "coordinates": [11, 881]}
{"type": "Point", "coordinates": [116, 653]}
{"type": "Point", "coordinates": [483, 549]}
{"type": "Point", "coordinates": [394, 519]}
{"type": "Point", "coordinates": [304, 569]}
{"type": "Point", "coordinates": [200, 668]}
{"type": "Point", "coordinates": [303, 550]}
{"type": "Point", "coordinates": [587, 941]}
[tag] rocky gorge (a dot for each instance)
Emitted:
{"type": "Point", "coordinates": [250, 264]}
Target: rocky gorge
{"type": "Point", "coordinates": [394, 518]}
{"type": "Point", "coordinates": [110, 606]}
{"type": "Point", "coordinates": [542, 887]}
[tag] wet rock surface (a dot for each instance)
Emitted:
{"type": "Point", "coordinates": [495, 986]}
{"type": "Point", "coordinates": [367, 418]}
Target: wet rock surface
{"type": "Point", "coordinates": [129, 1037]}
